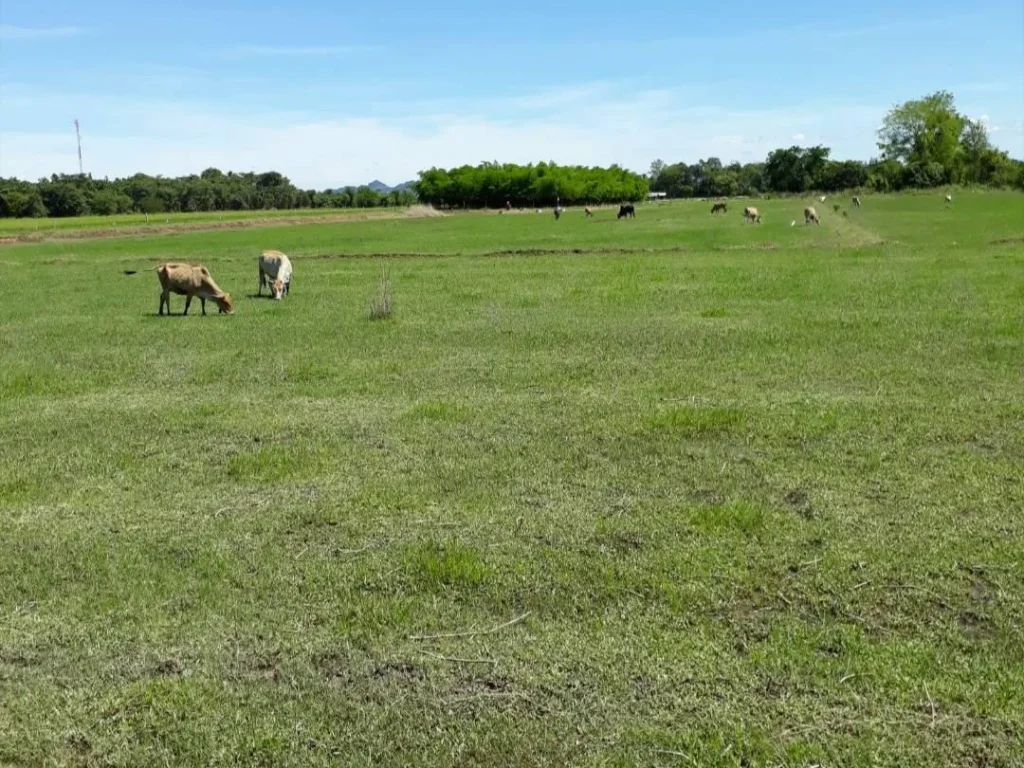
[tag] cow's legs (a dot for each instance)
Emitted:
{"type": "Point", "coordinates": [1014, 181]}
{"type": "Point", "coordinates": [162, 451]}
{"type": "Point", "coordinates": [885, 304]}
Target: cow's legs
{"type": "Point", "coordinates": [165, 298]}
{"type": "Point", "coordinates": [202, 303]}
{"type": "Point", "coordinates": [188, 303]}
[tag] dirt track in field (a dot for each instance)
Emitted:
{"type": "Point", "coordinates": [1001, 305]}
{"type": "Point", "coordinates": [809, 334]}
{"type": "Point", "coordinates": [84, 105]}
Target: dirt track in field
{"type": "Point", "coordinates": [134, 230]}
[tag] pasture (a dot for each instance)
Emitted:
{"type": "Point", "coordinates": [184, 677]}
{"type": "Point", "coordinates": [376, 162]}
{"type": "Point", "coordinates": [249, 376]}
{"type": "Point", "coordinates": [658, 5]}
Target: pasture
{"type": "Point", "coordinates": [35, 230]}
{"type": "Point", "coordinates": [677, 490]}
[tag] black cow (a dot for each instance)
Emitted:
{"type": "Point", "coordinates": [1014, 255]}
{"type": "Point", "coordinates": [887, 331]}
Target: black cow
{"type": "Point", "coordinates": [627, 210]}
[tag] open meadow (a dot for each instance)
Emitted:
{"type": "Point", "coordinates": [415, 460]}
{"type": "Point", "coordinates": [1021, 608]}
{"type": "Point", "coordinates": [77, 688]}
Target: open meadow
{"type": "Point", "coordinates": [670, 491]}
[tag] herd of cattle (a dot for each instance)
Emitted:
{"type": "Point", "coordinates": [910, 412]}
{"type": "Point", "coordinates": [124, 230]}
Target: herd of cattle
{"type": "Point", "coordinates": [750, 213]}
{"type": "Point", "coordinates": [275, 269]}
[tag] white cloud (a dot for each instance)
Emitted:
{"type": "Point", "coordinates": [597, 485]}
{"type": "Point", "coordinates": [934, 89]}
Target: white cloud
{"type": "Point", "coordinates": [798, 137]}
{"type": "Point", "coordinates": [588, 124]}
{"type": "Point", "coordinates": [12, 32]}
{"type": "Point", "coordinates": [986, 121]}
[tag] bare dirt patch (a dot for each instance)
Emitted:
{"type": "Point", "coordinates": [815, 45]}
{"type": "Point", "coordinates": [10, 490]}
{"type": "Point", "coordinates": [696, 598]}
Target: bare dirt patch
{"type": "Point", "coordinates": [798, 501]}
{"type": "Point", "coordinates": [399, 670]}
{"type": "Point", "coordinates": [169, 668]}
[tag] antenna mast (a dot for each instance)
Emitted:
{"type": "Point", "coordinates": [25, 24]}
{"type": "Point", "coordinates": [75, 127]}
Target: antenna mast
{"type": "Point", "coordinates": [78, 133]}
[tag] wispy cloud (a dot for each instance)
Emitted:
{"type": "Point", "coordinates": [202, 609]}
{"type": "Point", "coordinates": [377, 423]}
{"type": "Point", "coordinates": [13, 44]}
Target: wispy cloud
{"type": "Point", "coordinates": [12, 32]}
{"type": "Point", "coordinates": [304, 50]}
{"type": "Point", "coordinates": [806, 33]}
{"type": "Point", "coordinates": [798, 137]}
{"type": "Point", "coordinates": [993, 86]}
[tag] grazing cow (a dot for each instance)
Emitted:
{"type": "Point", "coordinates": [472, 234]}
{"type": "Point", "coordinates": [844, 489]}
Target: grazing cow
{"type": "Point", "coordinates": [810, 215]}
{"type": "Point", "coordinates": [558, 212]}
{"type": "Point", "coordinates": [587, 213]}
{"type": "Point", "coordinates": [821, 199]}
{"type": "Point", "coordinates": [277, 267]}
{"type": "Point", "coordinates": [949, 199]}
{"type": "Point", "coordinates": [752, 214]}
{"type": "Point", "coordinates": [627, 210]}
{"type": "Point", "coordinates": [856, 201]}
{"type": "Point", "coordinates": [190, 280]}
{"type": "Point", "coordinates": [723, 207]}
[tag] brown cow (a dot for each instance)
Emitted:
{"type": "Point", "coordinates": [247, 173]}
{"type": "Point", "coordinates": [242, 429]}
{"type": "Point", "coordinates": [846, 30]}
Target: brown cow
{"type": "Point", "coordinates": [810, 215]}
{"type": "Point", "coordinates": [752, 214]}
{"type": "Point", "coordinates": [587, 213]}
{"type": "Point", "coordinates": [720, 206]}
{"type": "Point", "coordinates": [190, 280]}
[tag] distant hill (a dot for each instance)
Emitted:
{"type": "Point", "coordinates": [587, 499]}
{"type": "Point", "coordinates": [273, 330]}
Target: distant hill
{"type": "Point", "coordinates": [380, 187]}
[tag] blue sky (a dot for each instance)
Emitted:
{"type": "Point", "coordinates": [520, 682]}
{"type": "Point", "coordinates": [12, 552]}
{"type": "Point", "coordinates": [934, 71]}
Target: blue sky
{"type": "Point", "coordinates": [334, 93]}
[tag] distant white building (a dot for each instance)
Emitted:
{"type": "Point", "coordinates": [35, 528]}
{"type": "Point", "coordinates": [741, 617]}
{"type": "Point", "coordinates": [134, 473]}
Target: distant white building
{"type": "Point", "coordinates": [656, 196]}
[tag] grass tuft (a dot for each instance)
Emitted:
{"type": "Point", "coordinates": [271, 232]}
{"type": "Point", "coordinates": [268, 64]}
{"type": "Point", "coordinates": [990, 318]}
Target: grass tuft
{"type": "Point", "coordinates": [693, 421]}
{"type": "Point", "coordinates": [446, 564]}
{"type": "Point", "coordinates": [380, 305]}
{"type": "Point", "coordinates": [740, 516]}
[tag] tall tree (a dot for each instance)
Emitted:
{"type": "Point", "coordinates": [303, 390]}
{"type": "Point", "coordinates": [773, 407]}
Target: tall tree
{"type": "Point", "coordinates": [975, 153]}
{"type": "Point", "coordinates": [923, 131]}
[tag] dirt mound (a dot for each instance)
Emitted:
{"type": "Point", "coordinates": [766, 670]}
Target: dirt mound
{"type": "Point", "coordinates": [421, 211]}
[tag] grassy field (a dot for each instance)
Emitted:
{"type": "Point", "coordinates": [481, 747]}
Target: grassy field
{"type": "Point", "coordinates": [672, 491]}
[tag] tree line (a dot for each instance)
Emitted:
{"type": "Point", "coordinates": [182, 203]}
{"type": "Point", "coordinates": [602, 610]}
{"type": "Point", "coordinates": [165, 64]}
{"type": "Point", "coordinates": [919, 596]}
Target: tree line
{"type": "Point", "coordinates": [923, 143]}
{"type": "Point", "coordinates": [495, 185]}
{"type": "Point", "coordinates": [212, 190]}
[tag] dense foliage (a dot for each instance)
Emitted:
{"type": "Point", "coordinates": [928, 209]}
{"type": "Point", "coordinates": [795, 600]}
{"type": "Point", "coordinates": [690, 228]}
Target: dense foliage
{"type": "Point", "coordinates": [924, 143]}
{"type": "Point", "coordinates": [493, 185]}
{"type": "Point", "coordinates": [212, 190]}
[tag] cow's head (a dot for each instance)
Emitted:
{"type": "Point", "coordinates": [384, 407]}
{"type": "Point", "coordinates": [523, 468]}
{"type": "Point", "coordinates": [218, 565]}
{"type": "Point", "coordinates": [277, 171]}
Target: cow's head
{"type": "Point", "coordinates": [224, 303]}
{"type": "Point", "coordinates": [278, 289]}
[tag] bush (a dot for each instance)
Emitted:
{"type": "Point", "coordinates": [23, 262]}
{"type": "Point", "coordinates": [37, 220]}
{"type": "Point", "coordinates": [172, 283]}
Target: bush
{"type": "Point", "coordinates": [109, 202]}
{"type": "Point", "coordinates": [925, 175]}
{"type": "Point", "coordinates": [22, 205]}
{"type": "Point", "coordinates": [63, 200]}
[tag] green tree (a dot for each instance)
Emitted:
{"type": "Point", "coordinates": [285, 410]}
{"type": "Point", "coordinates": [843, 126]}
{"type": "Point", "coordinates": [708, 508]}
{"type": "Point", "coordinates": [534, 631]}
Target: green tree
{"type": "Point", "coordinates": [492, 184]}
{"type": "Point", "coordinates": [980, 162]}
{"type": "Point", "coordinates": [848, 174]}
{"type": "Point", "coordinates": [107, 202]}
{"type": "Point", "coordinates": [63, 199]}
{"type": "Point", "coordinates": [923, 132]}
{"type": "Point", "coordinates": [22, 203]}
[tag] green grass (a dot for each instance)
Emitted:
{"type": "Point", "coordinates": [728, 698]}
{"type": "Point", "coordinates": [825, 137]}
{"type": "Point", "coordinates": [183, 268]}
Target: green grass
{"type": "Point", "coordinates": [758, 489]}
